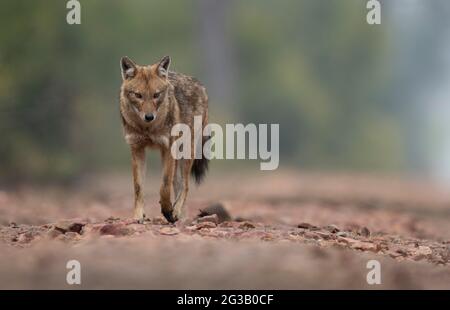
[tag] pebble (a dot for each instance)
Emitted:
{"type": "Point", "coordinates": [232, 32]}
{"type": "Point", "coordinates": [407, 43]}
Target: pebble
{"type": "Point", "coordinates": [307, 226]}
{"type": "Point", "coordinates": [169, 231]}
{"type": "Point", "coordinates": [364, 232]}
{"type": "Point", "coordinates": [246, 225]}
{"type": "Point", "coordinates": [209, 218]}
{"type": "Point", "coordinates": [205, 225]}
{"type": "Point", "coordinates": [332, 228]}
{"type": "Point", "coordinates": [113, 229]}
{"type": "Point", "coordinates": [70, 225]}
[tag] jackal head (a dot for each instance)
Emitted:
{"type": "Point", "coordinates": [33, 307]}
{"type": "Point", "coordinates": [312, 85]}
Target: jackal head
{"type": "Point", "coordinates": [145, 88]}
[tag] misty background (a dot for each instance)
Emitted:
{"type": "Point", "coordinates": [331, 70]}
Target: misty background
{"type": "Point", "coordinates": [348, 96]}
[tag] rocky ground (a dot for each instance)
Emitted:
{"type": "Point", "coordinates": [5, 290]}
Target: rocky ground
{"type": "Point", "coordinates": [283, 230]}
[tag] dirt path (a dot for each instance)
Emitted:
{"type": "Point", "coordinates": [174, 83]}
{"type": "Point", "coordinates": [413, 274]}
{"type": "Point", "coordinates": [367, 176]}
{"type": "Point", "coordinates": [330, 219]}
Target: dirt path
{"type": "Point", "coordinates": [284, 231]}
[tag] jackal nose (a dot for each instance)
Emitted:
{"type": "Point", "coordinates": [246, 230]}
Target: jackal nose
{"type": "Point", "coordinates": [149, 117]}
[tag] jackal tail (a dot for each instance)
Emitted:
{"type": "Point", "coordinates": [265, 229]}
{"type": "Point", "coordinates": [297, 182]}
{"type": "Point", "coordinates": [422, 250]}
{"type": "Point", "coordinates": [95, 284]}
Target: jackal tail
{"type": "Point", "coordinates": [200, 166]}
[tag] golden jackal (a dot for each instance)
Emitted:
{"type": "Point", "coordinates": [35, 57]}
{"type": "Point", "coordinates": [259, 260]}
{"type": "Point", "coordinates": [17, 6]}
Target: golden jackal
{"type": "Point", "coordinates": [153, 100]}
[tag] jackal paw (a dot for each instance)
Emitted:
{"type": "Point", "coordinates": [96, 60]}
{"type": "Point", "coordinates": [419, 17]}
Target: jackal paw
{"type": "Point", "coordinates": [178, 213]}
{"type": "Point", "coordinates": [139, 217]}
{"type": "Point", "coordinates": [170, 216]}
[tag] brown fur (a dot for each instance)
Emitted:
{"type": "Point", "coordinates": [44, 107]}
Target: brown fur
{"type": "Point", "coordinates": [179, 99]}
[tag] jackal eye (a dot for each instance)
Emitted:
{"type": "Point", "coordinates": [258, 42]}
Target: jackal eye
{"type": "Point", "coordinates": [156, 95]}
{"type": "Point", "coordinates": [137, 95]}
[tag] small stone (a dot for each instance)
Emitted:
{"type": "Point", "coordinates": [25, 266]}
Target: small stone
{"type": "Point", "coordinates": [342, 234]}
{"type": "Point", "coordinates": [307, 226]}
{"type": "Point", "coordinates": [61, 237]}
{"type": "Point", "coordinates": [136, 228]}
{"type": "Point", "coordinates": [311, 235]}
{"type": "Point", "coordinates": [113, 229]}
{"type": "Point", "coordinates": [394, 254]}
{"type": "Point", "coordinates": [332, 228]}
{"type": "Point", "coordinates": [364, 246]}
{"type": "Point", "coordinates": [422, 251]}
{"type": "Point", "coordinates": [25, 237]}
{"type": "Point", "coordinates": [241, 219]}
{"type": "Point", "coordinates": [401, 252]}
{"type": "Point", "coordinates": [209, 218]}
{"type": "Point", "coordinates": [205, 225]}
{"type": "Point", "coordinates": [246, 225]}
{"type": "Point", "coordinates": [112, 219]}
{"type": "Point", "coordinates": [191, 228]}
{"type": "Point", "coordinates": [267, 237]}
{"type": "Point", "coordinates": [70, 225]}
{"type": "Point", "coordinates": [347, 240]}
{"type": "Point", "coordinates": [53, 233]}
{"type": "Point", "coordinates": [169, 231]}
{"type": "Point", "coordinates": [439, 261]}
{"type": "Point", "coordinates": [323, 235]}
{"type": "Point", "coordinates": [72, 235]}
{"type": "Point", "coordinates": [216, 233]}
{"type": "Point", "coordinates": [227, 224]}
{"type": "Point", "coordinates": [159, 221]}
{"type": "Point", "coordinates": [364, 232]}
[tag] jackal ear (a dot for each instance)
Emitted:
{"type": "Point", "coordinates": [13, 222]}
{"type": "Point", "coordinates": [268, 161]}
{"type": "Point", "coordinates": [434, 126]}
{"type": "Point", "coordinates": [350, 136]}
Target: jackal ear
{"type": "Point", "coordinates": [128, 68]}
{"type": "Point", "coordinates": [163, 67]}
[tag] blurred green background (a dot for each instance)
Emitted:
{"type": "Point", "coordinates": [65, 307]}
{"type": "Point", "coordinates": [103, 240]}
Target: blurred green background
{"type": "Point", "coordinates": [348, 96]}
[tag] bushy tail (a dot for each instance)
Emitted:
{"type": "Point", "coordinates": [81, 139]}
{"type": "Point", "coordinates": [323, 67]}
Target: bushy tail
{"type": "Point", "coordinates": [200, 166]}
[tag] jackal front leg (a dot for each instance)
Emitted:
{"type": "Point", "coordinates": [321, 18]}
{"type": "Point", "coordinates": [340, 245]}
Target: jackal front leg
{"type": "Point", "coordinates": [138, 165]}
{"type": "Point", "coordinates": [178, 179]}
{"type": "Point", "coordinates": [184, 170]}
{"type": "Point", "coordinates": [166, 186]}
